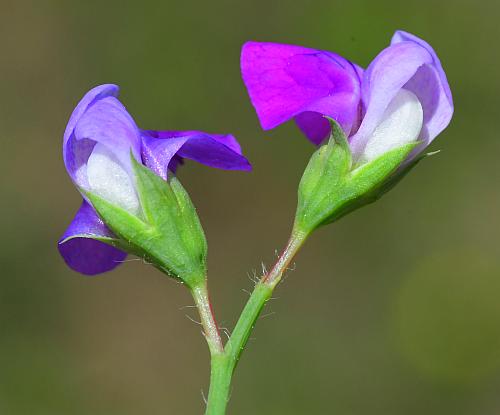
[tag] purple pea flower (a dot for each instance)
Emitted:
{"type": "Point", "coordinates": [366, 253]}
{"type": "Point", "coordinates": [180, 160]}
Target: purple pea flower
{"type": "Point", "coordinates": [402, 97]}
{"type": "Point", "coordinates": [286, 81]}
{"type": "Point", "coordinates": [98, 141]}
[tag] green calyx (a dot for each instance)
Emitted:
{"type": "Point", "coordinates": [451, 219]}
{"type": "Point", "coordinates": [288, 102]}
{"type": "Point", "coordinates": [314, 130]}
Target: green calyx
{"type": "Point", "coordinates": [333, 186]}
{"type": "Point", "coordinates": [168, 234]}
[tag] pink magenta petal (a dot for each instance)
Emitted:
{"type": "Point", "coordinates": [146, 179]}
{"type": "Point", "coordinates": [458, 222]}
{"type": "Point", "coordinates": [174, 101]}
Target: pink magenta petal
{"type": "Point", "coordinates": [285, 81]}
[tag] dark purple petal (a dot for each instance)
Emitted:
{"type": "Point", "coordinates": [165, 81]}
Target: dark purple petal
{"type": "Point", "coordinates": [227, 139]}
{"type": "Point", "coordinates": [284, 81]}
{"type": "Point", "coordinates": [390, 71]}
{"type": "Point", "coordinates": [160, 154]}
{"type": "Point", "coordinates": [314, 125]}
{"type": "Point", "coordinates": [161, 150]}
{"type": "Point", "coordinates": [84, 254]}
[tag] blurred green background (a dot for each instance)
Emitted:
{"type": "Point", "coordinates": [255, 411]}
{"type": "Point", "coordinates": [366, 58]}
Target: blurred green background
{"type": "Point", "coordinates": [393, 310]}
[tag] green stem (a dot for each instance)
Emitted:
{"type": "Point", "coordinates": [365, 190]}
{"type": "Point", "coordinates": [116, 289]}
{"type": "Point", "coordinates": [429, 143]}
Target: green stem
{"type": "Point", "coordinates": [223, 364]}
{"type": "Point", "coordinates": [238, 340]}
{"type": "Point", "coordinates": [210, 329]}
{"type": "Point", "coordinates": [221, 372]}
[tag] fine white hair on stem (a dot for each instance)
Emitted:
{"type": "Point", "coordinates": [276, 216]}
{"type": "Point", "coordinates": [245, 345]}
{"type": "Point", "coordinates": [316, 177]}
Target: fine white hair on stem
{"type": "Point", "coordinates": [126, 260]}
{"type": "Point", "coordinates": [226, 332]}
{"type": "Point", "coordinates": [193, 320]}
{"type": "Point", "coordinates": [271, 313]}
{"type": "Point", "coordinates": [252, 276]}
{"type": "Point", "coordinates": [186, 306]}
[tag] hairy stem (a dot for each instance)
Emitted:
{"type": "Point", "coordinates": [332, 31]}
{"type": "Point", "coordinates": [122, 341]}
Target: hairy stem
{"type": "Point", "coordinates": [223, 364]}
{"type": "Point", "coordinates": [210, 329]}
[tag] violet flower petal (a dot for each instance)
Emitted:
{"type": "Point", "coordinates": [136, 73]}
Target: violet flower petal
{"type": "Point", "coordinates": [99, 117]}
{"type": "Point", "coordinates": [227, 139]}
{"type": "Point", "coordinates": [402, 36]}
{"type": "Point", "coordinates": [108, 122]}
{"type": "Point", "coordinates": [405, 64]}
{"type": "Point", "coordinates": [431, 87]}
{"type": "Point", "coordinates": [84, 254]}
{"type": "Point", "coordinates": [161, 149]}
{"type": "Point", "coordinates": [284, 81]}
{"type": "Point", "coordinates": [314, 125]}
{"type": "Point", "coordinates": [76, 155]}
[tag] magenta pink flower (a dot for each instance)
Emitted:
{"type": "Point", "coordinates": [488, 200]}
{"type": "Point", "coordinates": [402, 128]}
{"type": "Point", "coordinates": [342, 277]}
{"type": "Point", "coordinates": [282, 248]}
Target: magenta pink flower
{"type": "Point", "coordinates": [403, 96]}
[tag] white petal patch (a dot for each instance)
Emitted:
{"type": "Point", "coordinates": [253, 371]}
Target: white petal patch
{"type": "Point", "coordinates": [401, 124]}
{"type": "Point", "coordinates": [108, 179]}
